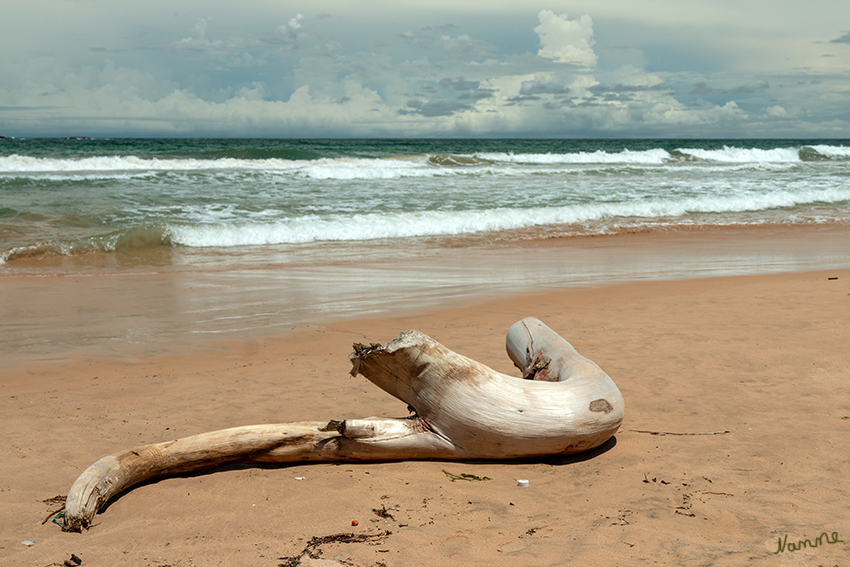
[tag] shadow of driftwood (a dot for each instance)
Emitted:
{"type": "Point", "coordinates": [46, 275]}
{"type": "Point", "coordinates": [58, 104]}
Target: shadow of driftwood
{"type": "Point", "coordinates": [555, 460]}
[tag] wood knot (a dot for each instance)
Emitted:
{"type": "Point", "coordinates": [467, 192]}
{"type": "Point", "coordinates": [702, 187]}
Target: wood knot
{"type": "Point", "coordinates": [601, 405]}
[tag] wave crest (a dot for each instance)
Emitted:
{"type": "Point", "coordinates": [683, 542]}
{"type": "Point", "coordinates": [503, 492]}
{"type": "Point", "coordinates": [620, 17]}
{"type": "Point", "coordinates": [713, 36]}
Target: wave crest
{"type": "Point", "coordinates": [374, 226]}
{"type": "Point", "coordinates": [133, 239]}
{"type": "Point", "coordinates": [408, 166]}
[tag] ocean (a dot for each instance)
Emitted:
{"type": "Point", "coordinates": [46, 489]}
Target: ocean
{"type": "Point", "coordinates": [84, 197]}
{"type": "Point", "coordinates": [351, 226]}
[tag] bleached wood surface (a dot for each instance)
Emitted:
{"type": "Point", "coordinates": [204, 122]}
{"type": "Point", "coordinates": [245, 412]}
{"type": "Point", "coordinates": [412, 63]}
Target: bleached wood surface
{"type": "Point", "coordinates": [462, 409]}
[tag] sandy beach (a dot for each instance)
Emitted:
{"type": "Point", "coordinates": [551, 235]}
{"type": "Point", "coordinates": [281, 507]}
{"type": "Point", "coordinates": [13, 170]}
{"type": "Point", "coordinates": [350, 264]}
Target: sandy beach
{"type": "Point", "coordinates": [734, 447]}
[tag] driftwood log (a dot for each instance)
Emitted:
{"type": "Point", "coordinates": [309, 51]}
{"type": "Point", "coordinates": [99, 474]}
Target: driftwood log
{"type": "Point", "coordinates": [462, 410]}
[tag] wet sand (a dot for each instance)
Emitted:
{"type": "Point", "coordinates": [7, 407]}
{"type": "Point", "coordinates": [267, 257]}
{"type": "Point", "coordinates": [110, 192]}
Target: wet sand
{"type": "Point", "coordinates": [127, 305]}
{"type": "Point", "coordinates": [736, 434]}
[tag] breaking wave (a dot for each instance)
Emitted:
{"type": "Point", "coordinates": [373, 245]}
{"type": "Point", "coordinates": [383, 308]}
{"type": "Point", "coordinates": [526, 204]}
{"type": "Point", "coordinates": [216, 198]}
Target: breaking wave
{"type": "Point", "coordinates": [410, 166]}
{"type": "Point", "coordinates": [394, 225]}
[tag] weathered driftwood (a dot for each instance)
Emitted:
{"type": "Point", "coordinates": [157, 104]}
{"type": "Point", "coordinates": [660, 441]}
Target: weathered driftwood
{"type": "Point", "coordinates": [461, 410]}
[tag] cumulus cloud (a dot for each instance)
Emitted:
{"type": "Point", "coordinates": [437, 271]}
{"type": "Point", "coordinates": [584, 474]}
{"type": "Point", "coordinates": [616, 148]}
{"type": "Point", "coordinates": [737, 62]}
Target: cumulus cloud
{"type": "Point", "coordinates": [295, 23]}
{"type": "Point", "coordinates": [197, 40]}
{"type": "Point", "coordinates": [565, 40]}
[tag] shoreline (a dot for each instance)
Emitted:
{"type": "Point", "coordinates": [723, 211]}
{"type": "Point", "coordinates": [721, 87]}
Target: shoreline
{"type": "Point", "coordinates": [719, 307]}
{"type": "Point", "coordinates": [128, 313]}
{"type": "Point", "coordinates": [760, 357]}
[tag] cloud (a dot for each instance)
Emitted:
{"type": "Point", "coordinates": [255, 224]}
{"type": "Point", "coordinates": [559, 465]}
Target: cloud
{"type": "Point", "coordinates": [701, 89]}
{"type": "Point", "coordinates": [233, 50]}
{"type": "Point", "coordinates": [565, 40]}
{"type": "Point", "coordinates": [623, 93]}
{"type": "Point", "coordinates": [600, 89]}
{"type": "Point", "coordinates": [458, 84]}
{"type": "Point", "coordinates": [463, 89]}
{"type": "Point", "coordinates": [430, 109]}
{"type": "Point", "coordinates": [412, 38]}
{"type": "Point", "coordinates": [298, 73]}
{"type": "Point", "coordinates": [530, 88]}
{"type": "Point", "coordinates": [295, 23]}
{"type": "Point", "coordinates": [197, 40]}
{"type": "Point", "coordinates": [463, 47]}
{"type": "Point", "coordinates": [289, 31]}
{"type": "Point", "coordinates": [750, 88]}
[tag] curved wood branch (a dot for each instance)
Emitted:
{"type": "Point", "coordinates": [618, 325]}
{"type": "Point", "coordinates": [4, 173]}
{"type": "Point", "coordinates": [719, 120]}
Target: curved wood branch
{"type": "Point", "coordinates": [462, 410]}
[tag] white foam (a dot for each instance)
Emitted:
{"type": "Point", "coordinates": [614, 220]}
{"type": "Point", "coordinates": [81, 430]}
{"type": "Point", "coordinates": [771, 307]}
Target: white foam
{"type": "Point", "coordinates": [366, 169]}
{"type": "Point", "coordinates": [339, 168]}
{"type": "Point", "coordinates": [745, 155]}
{"type": "Point", "coordinates": [832, 151]}
{"type": "Point", "coordinates": [394, 168]}
{"type": "Point", "coordinates": [648, 157]}
{"type": "Point", "coordinates": [445, 223]}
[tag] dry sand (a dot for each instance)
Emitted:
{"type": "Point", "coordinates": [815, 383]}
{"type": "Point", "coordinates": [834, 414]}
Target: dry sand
{"type": "Point", "coordinates": [754, 369]}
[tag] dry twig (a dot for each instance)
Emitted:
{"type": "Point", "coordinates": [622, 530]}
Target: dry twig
{"type": "Point", "coordinates": [673, 433]}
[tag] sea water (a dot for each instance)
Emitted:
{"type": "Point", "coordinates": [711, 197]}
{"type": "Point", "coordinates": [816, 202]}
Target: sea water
{"type": "Point", "coordinates": [82, 197]}
{"type": "Point", "coordinates": [306, 227]}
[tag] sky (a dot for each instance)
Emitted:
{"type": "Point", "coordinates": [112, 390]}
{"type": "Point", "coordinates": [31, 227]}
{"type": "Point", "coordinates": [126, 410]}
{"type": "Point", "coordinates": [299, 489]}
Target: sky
{"type": "Point", "coordinates": [376, 68]}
